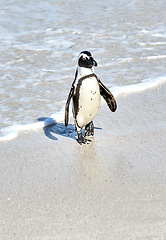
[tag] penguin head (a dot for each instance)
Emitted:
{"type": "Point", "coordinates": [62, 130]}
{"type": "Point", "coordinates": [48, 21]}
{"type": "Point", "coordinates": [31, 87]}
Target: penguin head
{"type": "Point", "coordinates": [86, 60]}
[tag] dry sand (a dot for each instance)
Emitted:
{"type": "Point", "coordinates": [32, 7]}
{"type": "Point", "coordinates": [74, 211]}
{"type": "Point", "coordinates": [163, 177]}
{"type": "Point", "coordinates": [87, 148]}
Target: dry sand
{"type": "Point", "coordinates": [112, 189]}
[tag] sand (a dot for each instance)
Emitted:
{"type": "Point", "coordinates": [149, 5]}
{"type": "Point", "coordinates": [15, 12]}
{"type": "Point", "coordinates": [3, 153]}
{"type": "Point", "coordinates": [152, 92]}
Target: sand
{"type": "Point", "coordinates": [112, 189]}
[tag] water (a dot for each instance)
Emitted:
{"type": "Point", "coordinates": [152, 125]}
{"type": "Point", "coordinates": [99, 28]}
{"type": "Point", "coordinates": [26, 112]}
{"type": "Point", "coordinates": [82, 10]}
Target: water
{"type": "Point", "coordinates": [40, 42]}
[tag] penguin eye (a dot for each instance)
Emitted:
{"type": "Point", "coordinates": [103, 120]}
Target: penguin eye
{"type": "Point", "coordinates": [84, 58]}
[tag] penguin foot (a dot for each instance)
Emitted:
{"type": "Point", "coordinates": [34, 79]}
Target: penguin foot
{"type": "Point", "coordinates": [89, 129]}
{"type": "Point", "coordinates": [89, 134]}
{"type": "Point", "coordinates": [82, 139]}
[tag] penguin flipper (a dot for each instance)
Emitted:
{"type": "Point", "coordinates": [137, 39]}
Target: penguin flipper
{"type": "Point", "coordinates": [108, 97]}
{"type": "Point", "coordinates": [67, 105]}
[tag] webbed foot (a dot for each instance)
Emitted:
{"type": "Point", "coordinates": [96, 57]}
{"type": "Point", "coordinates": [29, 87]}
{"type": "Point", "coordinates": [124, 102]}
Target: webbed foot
{"type": "Point", "coordinates": [89, 129]}
{"type": "Point", "coordinates": [82, 139]}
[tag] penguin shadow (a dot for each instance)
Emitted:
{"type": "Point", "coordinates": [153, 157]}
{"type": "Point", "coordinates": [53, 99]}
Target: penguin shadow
{"type": "Point", "coordinates": [55, 129]}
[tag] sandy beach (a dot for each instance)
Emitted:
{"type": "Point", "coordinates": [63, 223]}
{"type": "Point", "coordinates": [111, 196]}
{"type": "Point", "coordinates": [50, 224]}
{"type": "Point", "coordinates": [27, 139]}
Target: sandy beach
{"type": "Point", "coordinates": [112, 189]}
{"type": "Point", "coordinates": [51, 187]}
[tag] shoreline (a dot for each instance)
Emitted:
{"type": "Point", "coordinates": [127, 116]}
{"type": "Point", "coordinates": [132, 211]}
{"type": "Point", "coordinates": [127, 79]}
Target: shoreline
{"type": "Point", "coordinates": [113, 188]}
{"type": "Point", "coordinates": [13, 131]}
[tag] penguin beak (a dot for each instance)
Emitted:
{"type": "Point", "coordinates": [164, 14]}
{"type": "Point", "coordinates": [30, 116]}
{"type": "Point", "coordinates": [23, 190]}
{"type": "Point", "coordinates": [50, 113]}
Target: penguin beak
{"type": "Point", "coordinates": [94, 63]}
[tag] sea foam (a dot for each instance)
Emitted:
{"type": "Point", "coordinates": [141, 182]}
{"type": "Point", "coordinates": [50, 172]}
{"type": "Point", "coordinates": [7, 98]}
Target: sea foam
{"type": "Point", "coordinates": [12, 132]}
{"type": "Point", "coordinates": [133, 88]}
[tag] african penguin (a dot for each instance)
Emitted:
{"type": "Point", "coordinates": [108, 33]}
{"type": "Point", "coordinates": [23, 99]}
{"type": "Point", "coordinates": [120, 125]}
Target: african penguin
{"type": "Point", "coordinates": [85, 93]}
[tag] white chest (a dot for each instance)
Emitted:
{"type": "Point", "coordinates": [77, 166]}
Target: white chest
{"type": "Point", "coordinates": [88, 105]}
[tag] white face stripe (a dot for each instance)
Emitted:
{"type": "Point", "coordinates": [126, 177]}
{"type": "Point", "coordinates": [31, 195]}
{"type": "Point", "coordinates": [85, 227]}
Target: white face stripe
{"type": "Point", "coordinates": [84, 56]}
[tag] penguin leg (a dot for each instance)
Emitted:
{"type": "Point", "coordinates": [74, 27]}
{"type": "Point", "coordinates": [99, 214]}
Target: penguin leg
{"type": "Point", "coordinates": [89, 129]}
{"type": "Point", "coordinates": [81, 138]}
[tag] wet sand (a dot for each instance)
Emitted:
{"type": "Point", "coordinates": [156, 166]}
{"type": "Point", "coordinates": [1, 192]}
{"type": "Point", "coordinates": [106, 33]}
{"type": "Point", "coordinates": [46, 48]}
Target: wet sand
{"type": "Point", "coordinates": [112, 189]}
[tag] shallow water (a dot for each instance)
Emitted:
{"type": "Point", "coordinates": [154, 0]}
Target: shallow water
{"type": "Point", "coordinates": [40, 42]}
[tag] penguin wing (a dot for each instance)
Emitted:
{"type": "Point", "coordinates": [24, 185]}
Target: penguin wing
{"type": "Point", "coordinates": [67, 105]}
{"type": "Point", "coordinates": [108, 96]}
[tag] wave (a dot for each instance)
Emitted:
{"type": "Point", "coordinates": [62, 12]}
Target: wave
{"type": "Point", "coordinates": [12, 132]}
{"type": "Point", "coordinates": [134, 88]}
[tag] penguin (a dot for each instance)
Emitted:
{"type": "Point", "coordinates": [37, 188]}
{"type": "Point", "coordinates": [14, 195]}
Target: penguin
{"type": "Point", "coordinates": [86, 92]}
